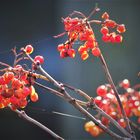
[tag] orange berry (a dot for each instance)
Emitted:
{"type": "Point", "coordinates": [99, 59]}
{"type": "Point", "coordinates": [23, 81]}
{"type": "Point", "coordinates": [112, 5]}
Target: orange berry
{"type": "Point", "coordinates": [105, 15]}
{"type": "Point", "coordinates": [121, 28]}
{"type": "Point", "coordinates": [84, 55]}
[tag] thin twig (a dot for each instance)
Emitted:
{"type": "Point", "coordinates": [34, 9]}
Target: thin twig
{"type": "Point", "coordinates": [23, 115]}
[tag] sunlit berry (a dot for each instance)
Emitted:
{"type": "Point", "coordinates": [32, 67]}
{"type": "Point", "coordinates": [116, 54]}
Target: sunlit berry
{"type": "Point", "coordinates": [121, 28]}
{"type": "Point", "coordinates": [125, 83]}
{"type": "Point", "coordinates": [122, 123]}
{"type": "Point", "coordinates": [29, 49]}
{"type": "Point", "coordinates": [39, 59]}
{"type": "Point", "coordinates": [71, 53]}
{"type": "Point", "coordinates": [101, 90]}
{"type": "Point", "coordinates": [110, 23]}
{"type": "Point", "coordinates": [60, 47]}
{"type": "Point", "coordinates": [106, 38]}
{"type": "Point", "coordinates": [89, 125]}
{"type": "Point", "coordinates": [82, 49]}
{"type": "Point", "coordinates": [95, 131]}
{"type": "Point", "coordinates": [16, 84]}
{"type": "Point", "coordinates": [104, 30]}
{"type": "Point", "coordinates": [63, 53]}
{"type": "Point", "coordinates": [34, 97]}
{"type": "Point", "coordinates": [84, 55]}
{"type": "Point", "coordinates": [105, 15]}
{"type": "Point", "coordinates": [96, 51]}
{"type": "Point", "coordinates": [118, 38]}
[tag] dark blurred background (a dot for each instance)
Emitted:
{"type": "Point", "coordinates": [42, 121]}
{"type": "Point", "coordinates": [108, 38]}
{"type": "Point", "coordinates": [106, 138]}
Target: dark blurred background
{"type": "Point", "coordinates": [33, 22]}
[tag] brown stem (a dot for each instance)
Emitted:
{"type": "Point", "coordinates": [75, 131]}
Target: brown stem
{"type": "Point", "coordinates": [23, 115]}
{"type": "Point", "coordinates": [109, 78]}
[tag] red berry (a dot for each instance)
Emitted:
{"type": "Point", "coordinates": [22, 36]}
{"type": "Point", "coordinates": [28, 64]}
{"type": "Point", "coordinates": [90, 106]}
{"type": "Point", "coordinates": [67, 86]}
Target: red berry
{"type": "Point", "coordinates": [121, 28]}
{"type": "Point", "coordinates": [2, 80]}
{"type": "Point", "coordinates": [8, 76]}
{"type": "Point", "coordinates": [125, 83]}
{"type": "Point", "coordinates": [106, 38]}
{"type": "Point", "coordinates": [39, 59]}
{"type": "Point", "coordinates": [84, 55]}
{"type": "Point", "coordinates": [16, 84]}
{"type": "Point", "coordinates": [98, 100]}
{"type": "Point", "coordinates": [118, 38]}
{"type": "Point", "coordinates": [60, 47]}
{"type": "Point", "coordinates": [96, 51]}
{"type": "Point", "coordinates": [63, 53]}
{"type": "Point", "coordinates": [71, 53]}
{"type": "Point", "coordinates": [82, 49]}
{"type": "Point", "coordinates": [110, 23]}
{"type": "Point", "coordinates": [29, 49]}
{"type": "Point", "coordinates": [122, 123]}
{"type": "Point", "coordinates": [34, 97]}
{"type": "Point", "coordinates": [105, 15]}
{"type": "Point", "coordinates": [104, 30]}
{"type": "Point", "coordinates": [101, 90]}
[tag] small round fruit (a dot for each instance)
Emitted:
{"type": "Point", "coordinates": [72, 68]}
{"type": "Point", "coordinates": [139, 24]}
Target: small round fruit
{"type": "Point", "coordinates": [101, 90]}
{"type": "Point", "coordinates": [39, 59]}
{"type": "Point", "coordinates": [29, 49]}
{"type": "Point", "coordinates": [96, 52]}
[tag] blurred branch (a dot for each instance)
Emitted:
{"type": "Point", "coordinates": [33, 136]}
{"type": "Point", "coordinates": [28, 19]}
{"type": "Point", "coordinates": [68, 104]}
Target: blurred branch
{"type": "Point", "coordinates": [24, 116]}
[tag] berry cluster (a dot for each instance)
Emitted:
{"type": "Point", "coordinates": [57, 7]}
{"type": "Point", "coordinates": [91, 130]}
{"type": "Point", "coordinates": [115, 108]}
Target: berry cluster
{"type": "Point", "coordinates": [78, 29]}
{"type": "Point", "coordinates": [107, 101]}
{"type": "Point", "coordinates": [15, 88]}
{"type": "Point", "coordinates": [108, 36]}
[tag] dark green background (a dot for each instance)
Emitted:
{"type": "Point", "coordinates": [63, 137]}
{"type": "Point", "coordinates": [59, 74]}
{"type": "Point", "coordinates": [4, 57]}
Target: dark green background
{"type": "Point", "coordinates": [34, 22]}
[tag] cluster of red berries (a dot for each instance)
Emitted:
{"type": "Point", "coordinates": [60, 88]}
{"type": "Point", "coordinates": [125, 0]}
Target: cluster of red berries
{"type": "Point", "coordinates": [78, 29]}
{"type": "Point", "coordinates": [107, 101]}
{"type": "Point", "coordinates": [107, 24]}
{"type": "Point", "coordinates": [15, 89]}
